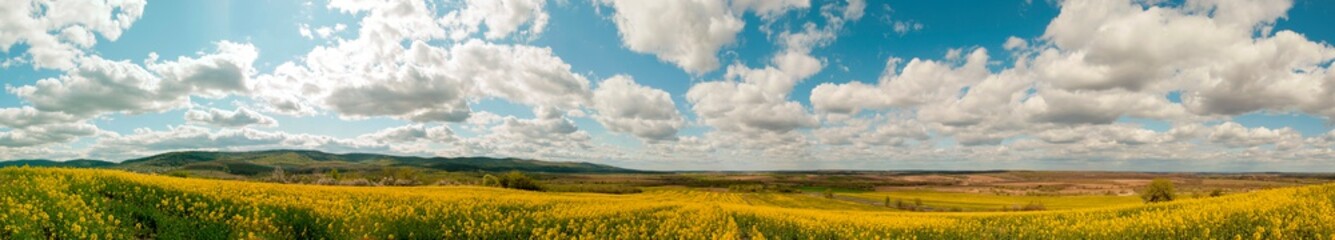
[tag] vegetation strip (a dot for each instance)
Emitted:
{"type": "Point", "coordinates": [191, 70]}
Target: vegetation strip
{"type": "Point", "coordinates": [107, 204]}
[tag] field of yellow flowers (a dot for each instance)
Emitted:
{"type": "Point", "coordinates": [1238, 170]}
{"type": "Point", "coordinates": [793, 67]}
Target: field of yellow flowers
{"type": "Point", "coordinates": [38, 203]}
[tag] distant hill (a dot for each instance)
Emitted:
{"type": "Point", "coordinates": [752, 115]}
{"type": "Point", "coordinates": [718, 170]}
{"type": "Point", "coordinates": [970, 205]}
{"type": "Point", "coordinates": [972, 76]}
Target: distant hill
{"type": "Point", "coordinates": [305, 161]}
{"type": "Point", "coordinates": [80, 163]}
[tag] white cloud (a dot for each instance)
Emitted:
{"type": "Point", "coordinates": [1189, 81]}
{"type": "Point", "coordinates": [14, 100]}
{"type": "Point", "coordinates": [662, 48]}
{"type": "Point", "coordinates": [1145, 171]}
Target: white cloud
{"type": "Point", "coordinates": [502, 18]}
{"type": "Point", "coordinates": [756, 99]}
{"type": "Point", "coordinates": [101, 86]}
{"type": "Point", "coordinates": [425, 83]}
{"type": "Point", "coordinates": [46, 134]}
{"type": "Point", "coordinates": [769, 9]}
{"type": "Point", "coordinates": [411, 133]}
{"type": "Point", "coordinates": [626, 107]}
{"type": "Point", "coordinates": [523, 74]}
{"type": "Point", "coordinates": [405, 88]}
{"type": "Point", "coordinates": [144, 142]}
{"type": "Point", "coordinates": [1210, 49]}
{"type": "Point", "coordinates": [920, 82]}
{"type": "Point", "coordinates": [733, 106]}
{"type": "Point", "coordinates": [855, 9]}
{"type": "Point", "coordinates": [305, 31]}
{"type": "Point", "coordinates": [242, 117]}
{"type": "Point", "coordinates": [750, 108]}
{"type": "Point", "coordinates": [1071, 107]}
{"type": "Point", "coordinates": [1014, 43]}
{"type": "Point", "coordinates": [535, 138]}
{"type": "Point", "coordinates": [378, 75]}
{"type": "Point", "coordinates": [58, 32]}
{"type": "Point", "coordinates": [875, 132]}
{"type": "Point", "coordinates": [26, 116]}
{"type": "Point", "coordinates": [905, 27]}
{"type": "Point", "coordinates": [1235, 135]}
{"type": "Point", "coordinates": [686, 33]}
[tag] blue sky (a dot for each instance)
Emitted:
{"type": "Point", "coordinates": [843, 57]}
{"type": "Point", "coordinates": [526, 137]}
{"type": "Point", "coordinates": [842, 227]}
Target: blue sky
{"type": "Point", "coordinates": [697, 85]}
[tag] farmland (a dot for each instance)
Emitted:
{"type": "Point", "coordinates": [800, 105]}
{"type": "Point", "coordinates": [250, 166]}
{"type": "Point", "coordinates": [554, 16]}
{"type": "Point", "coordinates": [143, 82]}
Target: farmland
{"type": "Point", "coordinates": [113, 204]}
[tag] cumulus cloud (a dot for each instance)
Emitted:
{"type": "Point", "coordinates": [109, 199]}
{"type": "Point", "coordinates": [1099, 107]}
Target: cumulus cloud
{"type": "Point", "coordinates": [1100, 61]}
{"type": "Point", "coordinates": [714, 102]}
{"type": "Point", "coordinates": [58, 32]}
{"type": "Point", "coordinates": [46, 134]}
{"type": "Point", "coordinates": [1235, 135]}
{"type": "Point", "coordinates": [627, 107]}
{"type": "Point", "coordinates": [1221, 54]}
{"type": "Point", "coordinates": [502, 18]}
{"type": "Point", "coordinates": [102, 86]}
{"type": "Point", "coordinates": [26, 116]}
{"type": "Point", "coordinates": [377, 75]}
{"type": "Point", "coordinates": [411, 133]}
{"type": "Point", "coordinates": [771, 9]}
{"type": "Point", "coordinates": [425, 83]}
{"type": "Point", "coordinates": [690, 33]}
{"type": "Point", "coordinates": [1014, 43]}
{"type": "Point", "coordinates": [143, 142]}
{"type": "Point", "coordinates": [557, 138]}
{"type": "Point", "coordinates": [242, 117]}
{"type": "Point", "coordinates": [756, 99]}
{"type": "Point", "coordinates": [686, 33]}
{"type": "Point", "coordinates": [750, 109]}
{"type": "Point", "coordinates": [920, 82]}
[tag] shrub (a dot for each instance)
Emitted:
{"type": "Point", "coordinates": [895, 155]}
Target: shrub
{"type": "Point", "coordinates": [333, 174]}
{"type": "Point", "coordinates": [1159, 190]}
{"type": "Point", "coordinates": [179, 174]}
{"type": "Point", "coordinates": [515, 180]}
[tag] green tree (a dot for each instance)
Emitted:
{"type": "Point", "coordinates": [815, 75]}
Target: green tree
{"type": "Point", "coordinates": [517, 180]}
{"type": "Point", "coordinates": [887, 201]}
{"type": "Point", "coordinates": [829, 193]}
{"type": "Point", "coordinates": [333, 174]}
{"type": "Point", "coordinates": [1159, 190]}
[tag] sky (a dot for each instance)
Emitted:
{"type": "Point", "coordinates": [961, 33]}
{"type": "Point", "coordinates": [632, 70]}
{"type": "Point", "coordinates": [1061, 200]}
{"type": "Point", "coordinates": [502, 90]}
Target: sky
{"type": "Point", "coordinates": [1105, 85]}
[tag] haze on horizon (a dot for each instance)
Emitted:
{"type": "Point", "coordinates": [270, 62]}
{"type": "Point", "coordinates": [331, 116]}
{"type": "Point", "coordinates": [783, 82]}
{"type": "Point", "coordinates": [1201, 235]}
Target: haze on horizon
{"type": "Point", "coordinates": [1194, 85]}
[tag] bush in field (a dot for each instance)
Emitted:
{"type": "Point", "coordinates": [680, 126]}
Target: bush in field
{"type": "Point", "coordinates": [333, 174]}
{"type": "Point", "coordinates": [1159, 190]}
{"type": "Point", "coordinates": [513, 179]}
{"type": "Point", "coordinates": [179, 174]}
{"type": "Point", "coordinates": [1216, 192]}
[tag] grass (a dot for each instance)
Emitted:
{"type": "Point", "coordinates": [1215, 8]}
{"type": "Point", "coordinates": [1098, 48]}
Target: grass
{"type": "Point", "coordinates": [990, 202]}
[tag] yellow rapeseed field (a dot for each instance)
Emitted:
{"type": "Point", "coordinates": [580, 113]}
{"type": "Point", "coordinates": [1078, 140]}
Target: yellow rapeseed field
{"type": "Point", "coordinates": [38, 203]}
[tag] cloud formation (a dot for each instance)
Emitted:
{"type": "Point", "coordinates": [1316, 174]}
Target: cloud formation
{"type": "Point", "coordinates": [627, 107]}
{"type": "Point", "coordinates": [242, 117]}
{"type": "Point", "coordinates": [57, 33]}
